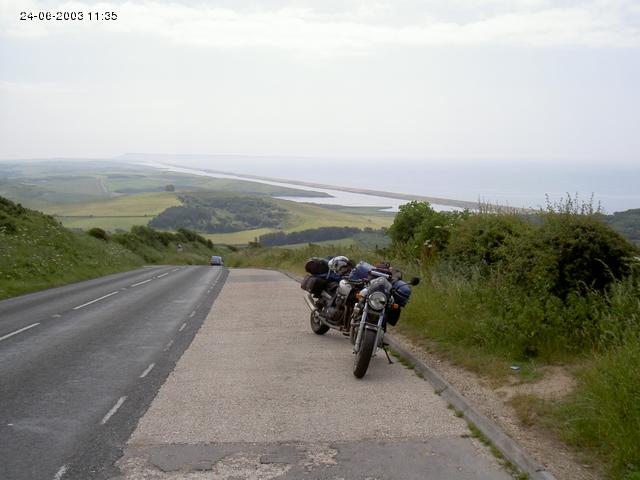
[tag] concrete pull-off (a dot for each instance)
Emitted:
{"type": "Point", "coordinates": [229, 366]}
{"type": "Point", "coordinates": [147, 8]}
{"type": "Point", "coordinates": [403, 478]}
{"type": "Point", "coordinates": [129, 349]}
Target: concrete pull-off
{"type": "Point", "coordinates": [258, 396]}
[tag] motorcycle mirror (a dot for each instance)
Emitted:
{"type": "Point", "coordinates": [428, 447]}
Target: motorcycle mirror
{"type": "Point", "coordinates": [414, 281]}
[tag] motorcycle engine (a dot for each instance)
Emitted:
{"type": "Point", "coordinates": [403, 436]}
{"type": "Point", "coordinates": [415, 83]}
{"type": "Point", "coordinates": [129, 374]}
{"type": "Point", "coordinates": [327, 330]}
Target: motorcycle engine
{"type": "Point", "coordinates": [332, 315]}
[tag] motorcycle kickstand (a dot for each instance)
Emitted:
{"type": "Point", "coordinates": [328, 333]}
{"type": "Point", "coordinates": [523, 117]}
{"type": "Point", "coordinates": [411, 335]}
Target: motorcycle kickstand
{"type": "Point", "coordinates": [387, 354]}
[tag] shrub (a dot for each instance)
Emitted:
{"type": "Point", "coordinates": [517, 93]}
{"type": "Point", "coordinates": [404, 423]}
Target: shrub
{"type": "Point", "coordinates": [569, 254]}
{"type": "Point", "coordinates": [98, 233]}
{"type": "Point", "coordinates": [419, 231]}
{"type": "Point", "coordinates": [479, 239]}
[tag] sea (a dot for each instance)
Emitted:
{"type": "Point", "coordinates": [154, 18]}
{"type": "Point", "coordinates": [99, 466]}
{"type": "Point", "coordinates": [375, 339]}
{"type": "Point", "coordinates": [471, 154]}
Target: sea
{"type": "Point", "coordinates": [612, 187]}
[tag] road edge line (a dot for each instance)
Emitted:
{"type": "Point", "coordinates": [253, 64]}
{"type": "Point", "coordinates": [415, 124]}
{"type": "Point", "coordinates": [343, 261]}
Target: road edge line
{"type": "Point", "coordinates": [511, 450]}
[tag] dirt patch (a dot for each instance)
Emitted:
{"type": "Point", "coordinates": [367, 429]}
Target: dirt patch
{"type": "Point", "coordinates": [554, 383]}
{"type": "Point", "coordinates": [497, 404]}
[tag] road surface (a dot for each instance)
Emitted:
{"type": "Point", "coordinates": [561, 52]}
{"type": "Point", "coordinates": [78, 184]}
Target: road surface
{"type": "Point", "coordinates": [258, 396]}
{"type": "Point", "coordinates": [81, 363]}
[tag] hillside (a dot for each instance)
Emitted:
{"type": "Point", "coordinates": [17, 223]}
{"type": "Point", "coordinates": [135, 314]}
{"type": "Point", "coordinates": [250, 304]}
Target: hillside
{"type": "Point", "coordinates": [627, 223]}
{"type": "Point", "coordinates": [37, 252]}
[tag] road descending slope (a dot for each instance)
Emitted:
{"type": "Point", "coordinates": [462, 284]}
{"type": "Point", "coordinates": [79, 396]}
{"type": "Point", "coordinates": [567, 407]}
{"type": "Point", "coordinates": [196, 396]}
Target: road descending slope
{"type": "Point", "coordinates": [258, 396]}
{"type": "Point", "coordinates": [80, 364]}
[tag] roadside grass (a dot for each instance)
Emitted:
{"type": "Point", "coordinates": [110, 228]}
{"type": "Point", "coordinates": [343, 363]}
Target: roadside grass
{"type": "Point", "coordinates": [342, 242]}
{"type": "Point", "coordinates": [293, 260]}
{"type": "Point", "coordinates": [532, 410]}
{"type": "Point", "coordinates": [36, 252]}
{"type": "Point", "coordinates": [604, 414]}
{"type": "Point", "coordinates": [41, 254]}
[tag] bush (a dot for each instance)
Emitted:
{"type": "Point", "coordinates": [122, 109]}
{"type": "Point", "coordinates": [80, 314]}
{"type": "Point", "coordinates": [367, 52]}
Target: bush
{"type": "Point", "coordinates": [98, 233]}
{"type": "Point", "coordinates": [479, 239]}
{"type": "Point", "coordinates": [569, 254]}
{"type": "Point", "coordinates": [418, 231]}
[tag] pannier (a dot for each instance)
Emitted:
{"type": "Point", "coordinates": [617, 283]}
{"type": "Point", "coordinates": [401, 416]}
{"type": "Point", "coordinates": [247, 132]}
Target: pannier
{"type": "Point", "coordinates": [393, 315]}
{"type": "Point", "coordinates": [313, 284]}
{"type": "Point", "coordinates": [401, 292]}
{"type": "Point", "coordinates": [317, 265]}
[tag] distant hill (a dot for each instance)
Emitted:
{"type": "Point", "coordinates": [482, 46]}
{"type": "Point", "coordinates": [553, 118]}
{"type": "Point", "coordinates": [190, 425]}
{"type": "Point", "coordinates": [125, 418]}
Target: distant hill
{"type": "Point", "coordinates": [627, 223]}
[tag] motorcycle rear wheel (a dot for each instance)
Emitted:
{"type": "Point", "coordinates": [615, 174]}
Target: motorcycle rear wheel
{"type": "Point", "coordinates": [317, 326]}
{"type": "Point", "coordinates": [363, 356]}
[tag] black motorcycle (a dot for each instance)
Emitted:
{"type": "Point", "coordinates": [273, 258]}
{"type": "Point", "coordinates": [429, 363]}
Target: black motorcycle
{"type": "Point", "coordinates": [379, 304]}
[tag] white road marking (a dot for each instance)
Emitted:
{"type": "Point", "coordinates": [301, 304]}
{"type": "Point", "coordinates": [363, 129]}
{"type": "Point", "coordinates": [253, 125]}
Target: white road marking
{"type": "Point", "coordinates": [163, 275]}
{"type": "Point", "coordinates": [141, 283]}
{"type": "Point", "coordinates": [61, 471]}
{"type": "Point", "coordinates": [94, 301]}
{"type": "Point", "coordinates": [18, 331]}
{"type": "Point", "coordinates": [146, 372]}
{"type": "Point", "coordinates": [56, 315]}
{"type": "Point", "coordinates": [192, 314]}
{"type": "Point", "coordinates": [182, 327]}
{"type": "Point", "coordinates": [113, 410]}
{"type": "Point", "coordinates": [175, 269]}
{"type": "Point", "coordinates": [168, 345]}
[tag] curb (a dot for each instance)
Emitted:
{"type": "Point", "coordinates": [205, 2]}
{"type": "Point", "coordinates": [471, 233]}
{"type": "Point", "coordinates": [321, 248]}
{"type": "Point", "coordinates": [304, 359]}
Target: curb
{"type": "Point", "coordinates": [505, 444]}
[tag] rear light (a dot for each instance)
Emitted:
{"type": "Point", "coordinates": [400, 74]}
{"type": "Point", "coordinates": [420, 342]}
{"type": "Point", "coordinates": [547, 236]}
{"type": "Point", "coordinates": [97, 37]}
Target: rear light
{"type": "Point", "coordinates": [395, 306]}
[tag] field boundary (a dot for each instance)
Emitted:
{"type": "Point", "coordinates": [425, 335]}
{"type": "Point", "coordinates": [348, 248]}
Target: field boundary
{"type": "Point", "coordinates": [512, 452]}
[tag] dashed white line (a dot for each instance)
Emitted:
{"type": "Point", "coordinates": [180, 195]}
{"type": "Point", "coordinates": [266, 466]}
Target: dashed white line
{"type": "Point", "coordinates": [183, 326]}
{"type": "Point", "coordinates": [168, 345]}
{"type": "Point", "coordinates": [141, 283]}
{"type": "Point", "coordinates": [146, 372]}
{"type": "Point", "coordinates": [56, 315]}
{"type": "Point", "coordinates": [94, 301]}
{"type": "Point", "coordinates": [175, 269]}
{"type": "Point", "coordinates": [163, 275]}
{"type": "Point", "coordinates": [192, 314]}
{"type": "Point", "coordinates": [61, 471]}
{"type": "Point", "coordinates": [113, 410]}
{"type": "Point", "coordinates": [18, 331]}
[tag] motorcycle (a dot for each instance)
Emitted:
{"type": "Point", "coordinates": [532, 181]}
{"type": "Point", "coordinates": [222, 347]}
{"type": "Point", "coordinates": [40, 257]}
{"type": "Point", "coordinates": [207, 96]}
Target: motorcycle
{"type": "Point", "coordinates": [379, 304]}
{"type": "Point", "coordinates": [357, 301]}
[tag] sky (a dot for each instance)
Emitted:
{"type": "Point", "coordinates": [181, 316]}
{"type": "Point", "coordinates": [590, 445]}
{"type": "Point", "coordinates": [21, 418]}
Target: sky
{"type": "Point", "coordinates": [457, 80]}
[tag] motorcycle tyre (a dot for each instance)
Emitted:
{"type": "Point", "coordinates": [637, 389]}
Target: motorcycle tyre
{"type": "Point", "coordinates": [317, 326]}
{"type": "Point", "coordinates": [363, 356]}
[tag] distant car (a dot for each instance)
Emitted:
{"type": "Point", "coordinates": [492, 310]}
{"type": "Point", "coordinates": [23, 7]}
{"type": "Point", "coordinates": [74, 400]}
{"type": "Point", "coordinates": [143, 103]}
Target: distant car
{"type": "Point", "coordinates": [216, 260]}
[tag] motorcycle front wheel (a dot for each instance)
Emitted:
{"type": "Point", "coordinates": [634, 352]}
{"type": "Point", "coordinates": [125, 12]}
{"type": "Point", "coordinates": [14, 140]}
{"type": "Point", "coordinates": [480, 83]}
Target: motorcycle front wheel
{"type": "Point", "coordinates": [317, 326]}
{"type": "Point", "coordinates": [364, 354]}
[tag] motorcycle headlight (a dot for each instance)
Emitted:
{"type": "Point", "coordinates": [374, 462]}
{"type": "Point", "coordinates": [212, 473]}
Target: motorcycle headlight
{"type": "Point", "coordinates": [377, 300]}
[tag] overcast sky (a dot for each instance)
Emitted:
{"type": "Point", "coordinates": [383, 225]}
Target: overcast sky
{"type": "Point", "coordinates": [500, 79]}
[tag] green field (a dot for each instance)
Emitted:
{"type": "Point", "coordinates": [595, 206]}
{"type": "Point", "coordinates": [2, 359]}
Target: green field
{"type": "Point", "coordinates": [304, 216]}
{"type": "Point", "coordinates": [112, 214]}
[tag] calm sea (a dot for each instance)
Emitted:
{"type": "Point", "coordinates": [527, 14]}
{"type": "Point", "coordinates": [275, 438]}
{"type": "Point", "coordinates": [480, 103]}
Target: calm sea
{"type": "Point", "coordinates": [615, 187]}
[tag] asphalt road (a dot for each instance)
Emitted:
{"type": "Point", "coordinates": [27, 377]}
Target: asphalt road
{"type": "Point", "coordinates": [80, 364]}
{"type": "Point", "coordinates": [258, 396]}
